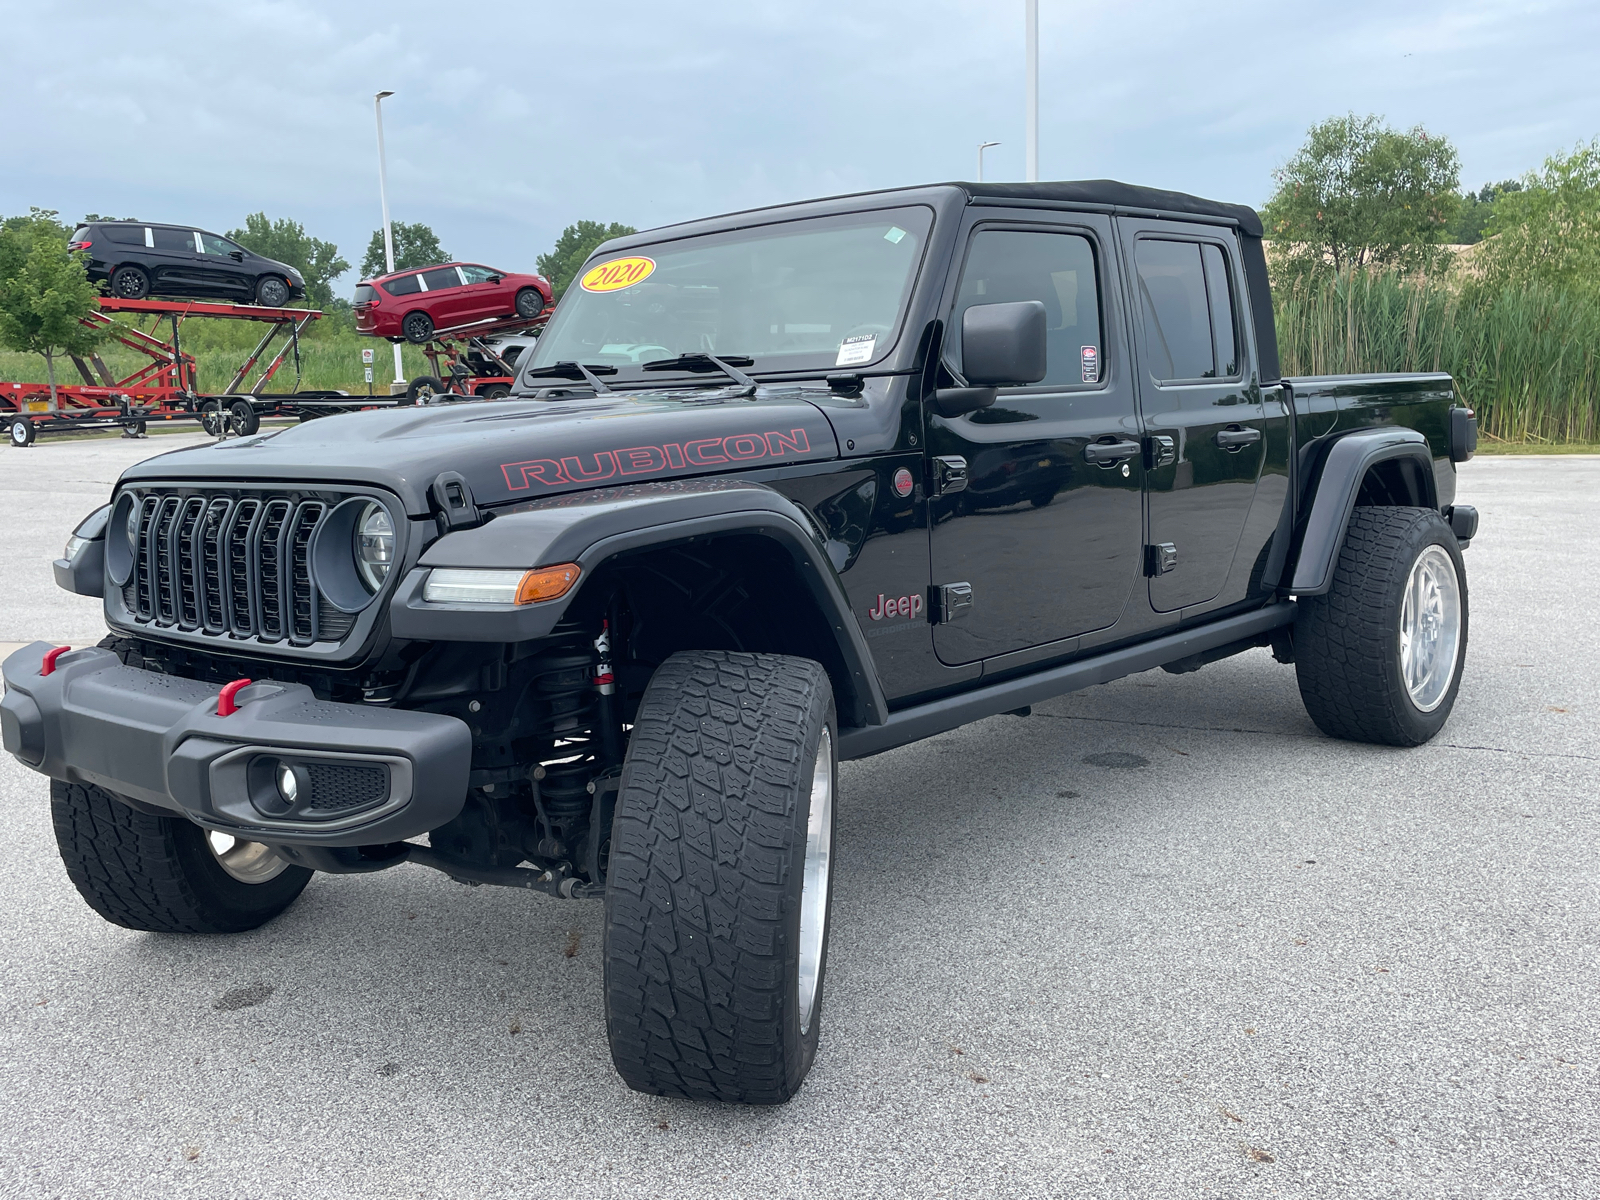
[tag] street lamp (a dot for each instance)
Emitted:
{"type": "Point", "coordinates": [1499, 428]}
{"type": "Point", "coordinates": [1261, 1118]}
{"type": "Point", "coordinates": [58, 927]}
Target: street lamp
{"type": "Point", "coordinates": [388, 231]}
{"type": "Point", "coordinates": [982, 146]}
{"type": "Point", "coordinates": [1033, 89]}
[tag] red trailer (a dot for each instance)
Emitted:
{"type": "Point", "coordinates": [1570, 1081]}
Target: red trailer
{"type": "Point", "coordinates": [164, 388]}
{"type": "Point", "coordinates": [465, 364]}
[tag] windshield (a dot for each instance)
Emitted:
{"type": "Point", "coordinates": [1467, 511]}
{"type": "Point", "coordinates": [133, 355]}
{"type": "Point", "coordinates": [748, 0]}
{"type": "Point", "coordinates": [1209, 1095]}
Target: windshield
{"type": "Point", "coordinates": [801, 295]}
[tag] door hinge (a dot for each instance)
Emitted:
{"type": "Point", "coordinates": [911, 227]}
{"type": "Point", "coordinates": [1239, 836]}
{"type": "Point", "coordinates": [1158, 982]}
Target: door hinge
{"type": "Point", "coordinates": [1158, 560]}
{"type": "Point", "coordinates": [949, 474]}
{"type": "Point", "coordinates": [1160, 451]}
{"type": "Point", "coordinates": [949, 601]}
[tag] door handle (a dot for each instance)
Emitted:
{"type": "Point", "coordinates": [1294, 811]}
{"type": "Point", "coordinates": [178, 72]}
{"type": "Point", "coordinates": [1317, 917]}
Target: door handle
{"type": "Point", "coordinates": [1235, 438]}
{"type": "Point", "coordinates": [1109, 454]}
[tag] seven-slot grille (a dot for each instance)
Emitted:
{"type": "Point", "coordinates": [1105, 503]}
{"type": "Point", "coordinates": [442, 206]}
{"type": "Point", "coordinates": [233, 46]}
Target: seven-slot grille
{"type": "Point", "coordinates": [231, 565]}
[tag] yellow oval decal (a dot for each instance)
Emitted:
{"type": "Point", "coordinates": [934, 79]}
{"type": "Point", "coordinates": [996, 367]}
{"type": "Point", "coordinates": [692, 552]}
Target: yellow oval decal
{"type": "Point", "coordinates": [617, 274]}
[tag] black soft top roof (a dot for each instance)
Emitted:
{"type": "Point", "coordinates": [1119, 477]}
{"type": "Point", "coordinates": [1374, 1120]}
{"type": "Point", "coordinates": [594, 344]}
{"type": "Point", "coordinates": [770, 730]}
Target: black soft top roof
{"type": "Point", "coordinates": [1118, 195]}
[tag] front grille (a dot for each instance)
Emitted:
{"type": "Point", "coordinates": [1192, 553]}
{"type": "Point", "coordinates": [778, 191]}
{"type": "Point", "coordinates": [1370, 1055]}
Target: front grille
{"type": "Point", "coordinates": [232, 565]}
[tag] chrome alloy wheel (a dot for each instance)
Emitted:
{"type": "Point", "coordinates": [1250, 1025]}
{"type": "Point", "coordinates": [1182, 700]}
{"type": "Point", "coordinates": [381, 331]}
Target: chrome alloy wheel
{"type": "Point", "coordinates": [248, 862]}
{"type": "Point", "coordinates": [814, 883]}
{"type": "Point", "coordinates": [1430, 628]}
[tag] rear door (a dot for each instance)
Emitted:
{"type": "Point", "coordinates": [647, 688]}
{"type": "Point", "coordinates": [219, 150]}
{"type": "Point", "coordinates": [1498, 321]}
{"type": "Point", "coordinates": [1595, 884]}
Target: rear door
{"type": "Point", "coordinates": [174, 265]}
{"type": "Point", "coordinates": [1047, 533]}
{"type": "Point", "coordinates": [1202, 407]}
{"type": "Point", "coordinates": [447, 299]}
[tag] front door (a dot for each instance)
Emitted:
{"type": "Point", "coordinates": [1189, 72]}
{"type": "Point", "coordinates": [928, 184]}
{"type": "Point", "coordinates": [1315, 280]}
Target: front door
{"type": "Point", "coordinates": [482, 298]}
{"type": "Point", "coordinates": [1047, 533]}
{"type": "Point", "coordinates": [228, 275]}
{"type": "Point", "coordinates": [1203, 412]}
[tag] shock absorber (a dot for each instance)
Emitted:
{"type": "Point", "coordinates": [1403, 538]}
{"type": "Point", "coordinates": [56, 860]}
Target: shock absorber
{"type": "Point", "coordinates": [605, 684]}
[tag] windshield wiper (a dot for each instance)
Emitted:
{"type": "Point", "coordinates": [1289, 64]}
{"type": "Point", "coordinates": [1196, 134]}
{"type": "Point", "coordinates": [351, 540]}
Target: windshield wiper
{"type": "Point", "coordinates": [701, 361]}
{"type": "Point", "coordinates": [576, 370]}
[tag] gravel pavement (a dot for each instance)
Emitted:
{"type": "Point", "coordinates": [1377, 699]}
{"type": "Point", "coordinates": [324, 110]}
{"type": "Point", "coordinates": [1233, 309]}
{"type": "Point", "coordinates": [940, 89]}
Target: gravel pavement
{"type": "Point", "coordinates": [1160, 939]}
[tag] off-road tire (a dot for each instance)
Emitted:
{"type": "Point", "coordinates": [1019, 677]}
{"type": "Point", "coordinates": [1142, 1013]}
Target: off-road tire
{"type": "Point", "coordinates": [702, 908]}
{"type": "Point", "coordinates": [130, 283]}
{"type": "Point", "coordinates": [157, 874]}
{"type": "Point", "coordinates": [1347, 642]}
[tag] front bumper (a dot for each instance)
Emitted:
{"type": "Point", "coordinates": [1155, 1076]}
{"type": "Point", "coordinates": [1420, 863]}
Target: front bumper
{"type": "Point", "coordinates": [367, 775]}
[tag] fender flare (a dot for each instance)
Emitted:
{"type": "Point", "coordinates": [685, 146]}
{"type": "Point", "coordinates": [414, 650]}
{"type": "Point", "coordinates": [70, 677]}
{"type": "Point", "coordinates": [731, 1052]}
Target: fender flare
{"type": "Point", "coordinates": [590, 528]}
{"type": "Point", "coordinates": [1344, 466]}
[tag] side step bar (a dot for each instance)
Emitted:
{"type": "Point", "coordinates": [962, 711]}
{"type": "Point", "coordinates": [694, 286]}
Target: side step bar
{"type": "Point", "coordinates": [951, 712]}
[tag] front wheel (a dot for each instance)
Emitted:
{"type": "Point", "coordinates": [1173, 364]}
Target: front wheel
{"type": "Point", "coordinates": [720, 882]}
{"type": "Point", "coordinates": [1379, 658]}
{"type": "Point", "coordinates": [529, 303]}
{"type": "Point", "coordinates": [272, 292]}
{"type": "Point", "coordinates": [243, 417]}
{"type": "Point", "coordinates": [165, 874]}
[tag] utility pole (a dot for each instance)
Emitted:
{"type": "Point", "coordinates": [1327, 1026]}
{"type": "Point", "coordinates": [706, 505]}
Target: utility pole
{"type": "Point", "coordinates": [1033, 89]}
{"type": "Point", "coordinates": [388, 231]}
{"type": "Point", "coordinates": [982, 146]}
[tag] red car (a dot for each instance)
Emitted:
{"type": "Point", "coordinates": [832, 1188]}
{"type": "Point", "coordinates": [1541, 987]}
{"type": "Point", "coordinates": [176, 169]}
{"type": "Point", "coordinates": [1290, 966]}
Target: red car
{"type": "Point", "coordinates": [412, 304]}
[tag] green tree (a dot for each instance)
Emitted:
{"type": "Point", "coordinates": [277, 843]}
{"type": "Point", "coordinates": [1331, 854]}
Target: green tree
{"type": "Point", "coordinates": [287, 242]}
{"type": "Point", "coordinates": [414, 246]}
{"type": "Point", "coordinates": [1476, 209]}
{"type": "Point", "coordinates": [1549, 232]}
{"type": "Point", "coordinates": [573, 247]}
{"type": "Point", "coordinates": [1359, 194]}
{"type": "Point", "coordinates": [44, 291]}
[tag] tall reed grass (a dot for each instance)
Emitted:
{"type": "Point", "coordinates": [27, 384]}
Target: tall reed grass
{"type": "Point", "coordinates": [1527, 358]}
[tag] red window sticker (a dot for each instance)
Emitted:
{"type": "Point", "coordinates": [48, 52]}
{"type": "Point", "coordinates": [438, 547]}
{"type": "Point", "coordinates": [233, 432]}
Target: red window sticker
{"type": "Point", "coordinates": [1091, 364]}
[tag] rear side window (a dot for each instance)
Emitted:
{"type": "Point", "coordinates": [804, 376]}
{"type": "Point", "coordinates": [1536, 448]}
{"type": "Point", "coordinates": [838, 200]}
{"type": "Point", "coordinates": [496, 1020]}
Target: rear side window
{"type": "Point", "coordinates": [406, 285]}
{"type": "Point", "coordinates": [440, 278]}
{"type": "Point", "coordinates": [125, 235]}
{"type": "Point", "coordinates": [1057, 269]}
{"type": "Point", "coordinates": [1189, 326]}
{"type": "Point", "coordinates": [365, 293]}
{"type": "Point", "coordinates": [173, 240]}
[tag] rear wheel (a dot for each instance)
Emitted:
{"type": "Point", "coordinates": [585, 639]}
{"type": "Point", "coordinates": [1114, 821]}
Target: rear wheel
{"type": "Point", "coordinates": [212, 419]}
{"type": "Point", "coordinates": [529, 303]}
{"type": "Point", "coordinates": [23, 432]}
{"type": "Point", "coordinates": [243, 417]}
{"type": "Point", "coordinates": [719, 885]}
{"type": "Point", "coordinates": [165, 874]}
{"type": "Point", "coordinates": [424, 388]}
{"type": "Point", "coordinates": [130, 283]}
{"type": "Point", "coordinates": [1379, 657]}
{"type": "Point", "coordinates": [418, 328]}
{"type": "Point", "coordinates": [495, 391]}
{"type": "Point", "coordinates": [271, 292]}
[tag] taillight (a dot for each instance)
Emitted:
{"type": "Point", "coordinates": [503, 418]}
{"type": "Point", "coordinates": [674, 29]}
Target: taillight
{"type": "Point", "coordinates": [79, 245]}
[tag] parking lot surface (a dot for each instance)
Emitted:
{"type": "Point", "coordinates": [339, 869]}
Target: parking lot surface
{"type": "Point", "coordinates": [1161, 938]}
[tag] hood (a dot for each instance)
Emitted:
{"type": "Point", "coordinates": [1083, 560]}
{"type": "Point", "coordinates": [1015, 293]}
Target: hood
{"type": "Point", "coordinates": [514, 450]}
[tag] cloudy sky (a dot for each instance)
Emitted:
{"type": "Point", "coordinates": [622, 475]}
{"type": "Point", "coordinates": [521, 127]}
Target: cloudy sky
{"type": "Point", "coordinates": [512, 120]}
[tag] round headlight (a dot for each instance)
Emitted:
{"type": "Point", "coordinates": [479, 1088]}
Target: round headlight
{"type": "Point", "coordinates": [374, 545]}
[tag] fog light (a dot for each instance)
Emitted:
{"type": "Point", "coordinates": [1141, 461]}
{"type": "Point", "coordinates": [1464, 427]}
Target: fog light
{"type": "Point", "coordinates": [288, 785]}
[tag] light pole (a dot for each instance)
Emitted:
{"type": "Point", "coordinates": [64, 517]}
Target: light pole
{"type": "Point", "coordinates": [1033, 89]}
{"type": "Point", "coordinates": [982, 146]}
{"type": "Point", "coordinates": [388, 231]}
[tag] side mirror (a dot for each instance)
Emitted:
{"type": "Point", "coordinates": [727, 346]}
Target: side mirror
{"type": "Point", "coordinates": [236, 255]}
{"type": "Point", "coordinates": [1003, 344]}
{"type": "Point", "coordinates": [496, 279]}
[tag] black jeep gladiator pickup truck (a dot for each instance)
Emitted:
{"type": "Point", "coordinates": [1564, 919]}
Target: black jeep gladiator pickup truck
{"type": "Point", "coordinates": [774, 490]}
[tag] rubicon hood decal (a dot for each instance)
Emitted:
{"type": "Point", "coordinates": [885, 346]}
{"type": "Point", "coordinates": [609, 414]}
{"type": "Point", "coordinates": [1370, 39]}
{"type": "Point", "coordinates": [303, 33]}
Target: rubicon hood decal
{"type": "Point", "coordinates": [520, 449]}
{"type": "Point", "coordinates": [738, 449]}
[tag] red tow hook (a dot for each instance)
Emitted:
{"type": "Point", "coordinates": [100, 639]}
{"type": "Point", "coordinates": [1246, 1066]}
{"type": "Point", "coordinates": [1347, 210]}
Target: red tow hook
{"type": "Point", "coordinates": [48, 667]}
{"type": "Point", "coordinates": [225, 705]}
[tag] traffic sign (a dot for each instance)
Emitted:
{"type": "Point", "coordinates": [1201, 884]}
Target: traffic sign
{"type": "Point", "coordinates": [366, 357]}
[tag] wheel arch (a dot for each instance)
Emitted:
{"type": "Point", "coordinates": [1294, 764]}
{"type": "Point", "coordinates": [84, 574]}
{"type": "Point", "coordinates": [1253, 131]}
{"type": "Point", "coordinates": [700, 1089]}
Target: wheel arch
{"type": "Point", "coordinates": [1388, 467]}
{"type": "Point", "coordinates": [759, 541]}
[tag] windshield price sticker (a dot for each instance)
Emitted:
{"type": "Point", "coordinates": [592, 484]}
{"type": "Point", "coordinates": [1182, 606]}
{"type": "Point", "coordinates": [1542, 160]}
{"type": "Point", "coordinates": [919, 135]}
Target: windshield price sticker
{"type": "Point", "coordinates": [856, 350]}
{"type": "Point", "coordinates": [617, 274]}
{"type": "Point", "coordinates": [1091, 364]}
